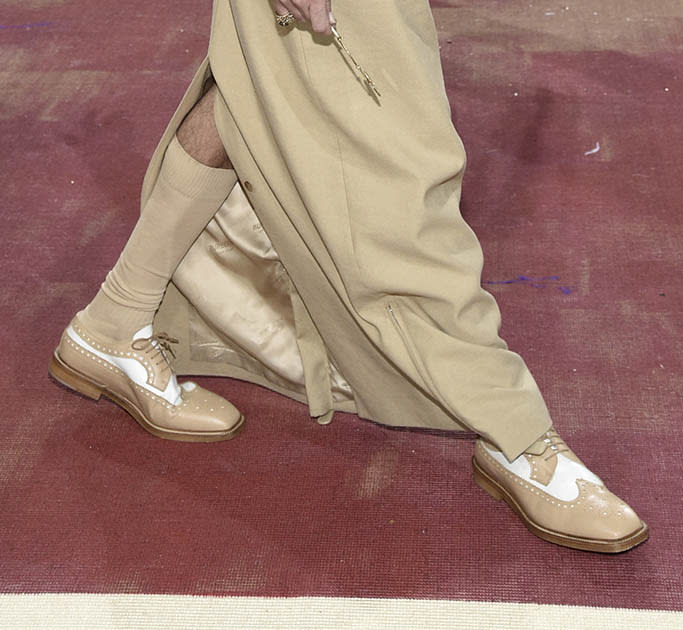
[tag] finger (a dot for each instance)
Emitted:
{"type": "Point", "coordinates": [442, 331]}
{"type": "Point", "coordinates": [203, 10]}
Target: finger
{"type": "Point", "coordinates": [303, 6]}
{"type": "Point", "coordinates": [287, 6]}
{"type": "Point", "coordinates": [280, 8]}
{"type": "Point", "coordinates": [328, 7]}
{"type": "Point", "coordinates": [320, 20]}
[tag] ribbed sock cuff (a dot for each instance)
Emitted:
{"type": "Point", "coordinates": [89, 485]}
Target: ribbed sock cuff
{"type": "Point", "coordinates": [192, 178]}
{"type": "Point", "coordinates": [108, 318]}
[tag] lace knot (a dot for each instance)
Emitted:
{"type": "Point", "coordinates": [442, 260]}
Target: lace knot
{"type": "Point", "coordinates": [158, 345]}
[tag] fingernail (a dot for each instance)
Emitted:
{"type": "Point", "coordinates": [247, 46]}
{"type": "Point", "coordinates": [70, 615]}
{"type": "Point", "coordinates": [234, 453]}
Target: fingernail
{"type": "Point", "coordinates": [333, 20]}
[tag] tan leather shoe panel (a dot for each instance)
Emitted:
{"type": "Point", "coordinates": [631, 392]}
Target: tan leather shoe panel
{"type": "Point", "coordinates": [542, 470]}
{"type": "Point", "coordinates": [596, 513]}
{"type": "Point", "coordinates": [594, 519]}
{"type": "Point", "coordinates": [195, 414]}
{"type": "Point", "coordinates": [158, 372]}
{"type": "Point", "coordinates": [206, 411]}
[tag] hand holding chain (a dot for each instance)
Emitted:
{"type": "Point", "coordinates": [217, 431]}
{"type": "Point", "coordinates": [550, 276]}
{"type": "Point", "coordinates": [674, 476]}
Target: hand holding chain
{"type": "Point", "coordinates": [288, 18]}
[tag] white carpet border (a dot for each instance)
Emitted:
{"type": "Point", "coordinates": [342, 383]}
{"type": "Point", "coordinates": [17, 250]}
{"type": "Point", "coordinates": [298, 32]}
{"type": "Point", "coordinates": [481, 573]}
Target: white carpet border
{"type": "Point", "coordinates": [61, 611]}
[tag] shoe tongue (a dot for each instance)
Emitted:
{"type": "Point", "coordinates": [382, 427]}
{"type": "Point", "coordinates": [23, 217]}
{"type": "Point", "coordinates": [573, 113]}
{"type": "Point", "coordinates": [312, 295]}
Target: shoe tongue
{"type": "Point", "coordinates": [145, 331]}
{"type": "Point", "coordinates": [537, 448]}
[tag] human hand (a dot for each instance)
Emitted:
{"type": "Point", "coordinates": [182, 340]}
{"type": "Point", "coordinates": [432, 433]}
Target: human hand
{"type": "Point", "coordinates": [317, 12]}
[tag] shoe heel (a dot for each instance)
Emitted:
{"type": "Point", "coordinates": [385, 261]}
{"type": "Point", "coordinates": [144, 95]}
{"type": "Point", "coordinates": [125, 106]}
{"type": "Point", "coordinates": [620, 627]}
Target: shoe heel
{"type": "Point", "coordinates": [484, 483]}
{"type": "Point", "coordinates": [72, 379]}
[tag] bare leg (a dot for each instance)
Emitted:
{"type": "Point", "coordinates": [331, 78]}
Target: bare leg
{"type": "Point", "coordinates": [198, 134]}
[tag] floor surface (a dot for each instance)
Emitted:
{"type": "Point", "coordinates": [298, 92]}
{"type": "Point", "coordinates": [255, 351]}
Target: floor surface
{"type": "Point", "coordinates": [571, 116]}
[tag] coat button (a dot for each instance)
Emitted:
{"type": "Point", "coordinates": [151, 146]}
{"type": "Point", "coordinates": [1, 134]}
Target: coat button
{"type": "Point", "coordinates": [248, 186]}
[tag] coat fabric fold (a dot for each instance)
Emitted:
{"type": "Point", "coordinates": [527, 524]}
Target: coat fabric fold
{"type": "Point", "coordinates": [339, 271]}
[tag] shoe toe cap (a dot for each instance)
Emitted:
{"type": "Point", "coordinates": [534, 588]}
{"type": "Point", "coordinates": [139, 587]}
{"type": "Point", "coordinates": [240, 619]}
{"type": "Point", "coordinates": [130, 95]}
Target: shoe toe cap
{"type": "Point", "coordinates": [612, 518]}
{"type": "Point", "coordinates": [208, 411]}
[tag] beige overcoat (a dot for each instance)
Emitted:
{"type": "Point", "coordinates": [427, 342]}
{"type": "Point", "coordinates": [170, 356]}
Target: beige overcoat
{"type": "Point", "coordinates": [339, 270]}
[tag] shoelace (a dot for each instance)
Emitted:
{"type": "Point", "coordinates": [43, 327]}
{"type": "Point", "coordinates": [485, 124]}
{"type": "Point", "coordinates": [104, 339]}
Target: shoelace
{"type": "Point", "coordinates": [555, 443]}
{"type": "Point", "coordinates": [158, 345]}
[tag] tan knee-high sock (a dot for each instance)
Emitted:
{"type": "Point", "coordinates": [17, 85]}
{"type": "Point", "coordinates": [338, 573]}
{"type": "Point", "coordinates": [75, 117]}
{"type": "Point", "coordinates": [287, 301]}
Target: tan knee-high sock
{"type": "Point", "coordinates": [185, 197]}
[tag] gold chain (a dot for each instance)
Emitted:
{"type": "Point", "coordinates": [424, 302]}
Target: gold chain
{"type": "Point", "coordinates": [369, 82]}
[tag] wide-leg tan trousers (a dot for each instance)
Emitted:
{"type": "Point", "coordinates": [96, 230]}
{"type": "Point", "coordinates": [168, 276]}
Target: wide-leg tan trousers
{"type": "Point", "coordinates": [340, 271]}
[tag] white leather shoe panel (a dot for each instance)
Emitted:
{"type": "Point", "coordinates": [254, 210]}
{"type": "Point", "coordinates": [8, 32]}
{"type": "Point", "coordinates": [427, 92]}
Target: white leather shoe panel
{"type": "Point", "coordinates": [145, 331]}
{"type": "Point", "coordinates": [562, 486]}
{"type": "Point", "coordinates": [566, 475]}
{"type": "Point", "coordinates": [519, 466]}
{"type": "Point", "coordinates": [135, 371]}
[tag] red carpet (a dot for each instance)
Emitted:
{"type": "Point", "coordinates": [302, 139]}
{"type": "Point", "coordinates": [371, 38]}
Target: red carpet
{"type": "Point", "coordinates": [572, 122]}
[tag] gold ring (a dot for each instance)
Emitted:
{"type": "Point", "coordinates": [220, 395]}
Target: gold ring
{"type": "Point", "coordinates": [284, 20]}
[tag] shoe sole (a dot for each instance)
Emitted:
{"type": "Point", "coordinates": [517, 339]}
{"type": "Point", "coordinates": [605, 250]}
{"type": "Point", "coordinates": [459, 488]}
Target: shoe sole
{"type": "Point", "coordinates": [499, 493]}
{"type": "Point", "coordinates": [79, 382]}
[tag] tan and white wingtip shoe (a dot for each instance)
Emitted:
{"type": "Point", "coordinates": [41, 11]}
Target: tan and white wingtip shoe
{"type": "Point", "coordinates": [137, 375]}
{"type": "Point", "coordinates": [557, 498]}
